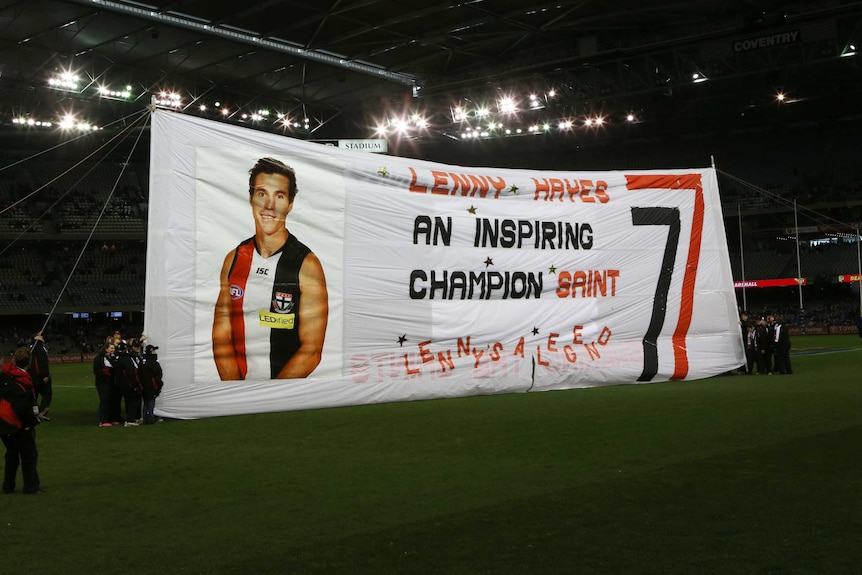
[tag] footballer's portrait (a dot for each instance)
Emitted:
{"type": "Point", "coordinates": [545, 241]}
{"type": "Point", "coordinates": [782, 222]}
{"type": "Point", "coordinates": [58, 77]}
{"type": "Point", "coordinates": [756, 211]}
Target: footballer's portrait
{"type": "Point", "coordinates": [272, 309]}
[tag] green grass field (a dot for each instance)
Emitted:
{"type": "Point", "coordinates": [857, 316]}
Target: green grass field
{"type": "Point", "coordinates": [730, 475]}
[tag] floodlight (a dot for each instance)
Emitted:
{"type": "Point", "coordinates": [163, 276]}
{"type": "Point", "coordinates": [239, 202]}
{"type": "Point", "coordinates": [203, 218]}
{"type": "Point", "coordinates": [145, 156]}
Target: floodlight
{"type": "Point", "coordinates": [507, 105]}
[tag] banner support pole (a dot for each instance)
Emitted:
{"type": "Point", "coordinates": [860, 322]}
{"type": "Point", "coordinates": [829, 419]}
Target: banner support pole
{"type": "Point", "coordinates": [859, 267]}
{"type": "Point", "coordinates": [798, 261]}
{"type": "Point", "coordinates": [741, 256]}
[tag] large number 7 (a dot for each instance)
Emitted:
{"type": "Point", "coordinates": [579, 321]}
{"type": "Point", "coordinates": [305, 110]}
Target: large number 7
{"type": "Point", "coordinates": [655, 216]}
{"type": "Point", "coordinates": [658, 217]}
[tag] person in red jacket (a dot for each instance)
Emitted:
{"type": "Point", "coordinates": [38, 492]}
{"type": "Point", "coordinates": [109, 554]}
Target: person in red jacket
{"type": "Point", "coordinates": [19, 416]}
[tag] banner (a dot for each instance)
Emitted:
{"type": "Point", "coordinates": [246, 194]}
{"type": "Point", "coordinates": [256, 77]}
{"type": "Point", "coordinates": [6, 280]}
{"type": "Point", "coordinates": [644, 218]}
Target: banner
{"type": "Point", "coordinates": [400, 279]}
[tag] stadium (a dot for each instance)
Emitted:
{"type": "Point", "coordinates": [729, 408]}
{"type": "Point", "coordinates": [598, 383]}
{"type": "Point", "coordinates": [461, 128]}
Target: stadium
{"type": "Point", "coordinates": [718, 473]}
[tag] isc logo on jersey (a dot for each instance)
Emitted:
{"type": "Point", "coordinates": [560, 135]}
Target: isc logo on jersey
{"type": "Point", "coordinates": [282, 302]}
{"type": "Point", "coordinates": [235, 292]}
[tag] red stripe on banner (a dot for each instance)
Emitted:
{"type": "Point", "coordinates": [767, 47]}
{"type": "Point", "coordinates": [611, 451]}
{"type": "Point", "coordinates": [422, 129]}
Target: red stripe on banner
{"type": "Point", "coordinates": [239, 276]}
{"type": "Point", "coordinates": [680, 182]}
{"type": "Point", "coordinates": [687, 306]}
{"type": "Point", "coordinates": [664, 182]}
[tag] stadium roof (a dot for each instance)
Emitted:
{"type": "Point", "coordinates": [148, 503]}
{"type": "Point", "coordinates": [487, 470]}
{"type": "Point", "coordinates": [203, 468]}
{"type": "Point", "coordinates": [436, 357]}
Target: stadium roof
{"type": "Point", "coordinates": [348, 66]}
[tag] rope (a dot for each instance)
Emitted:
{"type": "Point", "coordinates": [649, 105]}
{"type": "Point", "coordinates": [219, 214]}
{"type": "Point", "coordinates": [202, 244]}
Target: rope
{"type": "Point", "coordinates": [71, 188]}
{"type": "Point", "coordinates": [144, 114]}
{"type": "Point", "coordinates": [819, 216]}
{"type": "Point", "coordinates": [95, 225]}
{"type": "Point", "coordinates": [141, 118]}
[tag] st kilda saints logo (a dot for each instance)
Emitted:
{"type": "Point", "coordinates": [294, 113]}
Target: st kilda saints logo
{"type": "Point", "coordinates": [282, 302]}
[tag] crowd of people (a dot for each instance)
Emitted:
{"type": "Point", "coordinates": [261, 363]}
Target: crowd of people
{"type": "Point", "coordinates": [128, 379]}
{"type": "Point", "coordinates": [767, 344]}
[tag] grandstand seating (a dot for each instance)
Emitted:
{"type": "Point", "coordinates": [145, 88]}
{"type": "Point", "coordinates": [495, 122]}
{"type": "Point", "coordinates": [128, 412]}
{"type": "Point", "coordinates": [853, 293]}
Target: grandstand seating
{"type": "Point", "coordinates": [762, 265]}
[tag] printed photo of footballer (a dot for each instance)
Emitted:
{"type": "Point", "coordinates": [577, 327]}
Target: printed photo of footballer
{"type": "Point", "coordinates": [272, 309]}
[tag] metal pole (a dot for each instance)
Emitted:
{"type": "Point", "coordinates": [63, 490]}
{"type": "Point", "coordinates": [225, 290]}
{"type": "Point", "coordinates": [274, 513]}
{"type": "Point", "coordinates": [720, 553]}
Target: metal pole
{"type": "Point", "coordinates": [798, 261]}
{"type": "Point", "coordinates": [859, 268]}
{"type": "Point", "coordinates": [741, 257]}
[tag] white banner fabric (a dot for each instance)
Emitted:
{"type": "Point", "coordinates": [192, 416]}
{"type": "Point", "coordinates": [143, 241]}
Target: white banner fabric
{"type": "Point", "coordinates": [438, 281]}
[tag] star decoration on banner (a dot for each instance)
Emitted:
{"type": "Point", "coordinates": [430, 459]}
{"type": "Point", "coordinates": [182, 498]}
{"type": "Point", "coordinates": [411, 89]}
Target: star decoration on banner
{"type": "Point", "coordinates": [535, 331]}
{"type": "Point", "coordinates": [382, 171]}
{"type": "Point", "coordinates": [401, 340]}
{"type": "Point", "coordinates": [489, 262]}
{"type": "Point", "coordinates": [552, 270]}
{"type": "Point", "coordinates": [472, 210]}
{"type": "Point", "coordinates": [514, 189]}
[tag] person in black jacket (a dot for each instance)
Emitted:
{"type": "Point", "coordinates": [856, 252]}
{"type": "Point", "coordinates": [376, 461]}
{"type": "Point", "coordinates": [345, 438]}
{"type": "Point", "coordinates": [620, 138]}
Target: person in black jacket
{"type": "Point", "coordinates": [103, 370]}
{"type": "Point", "coordinates": [126, 380]}
{"type": "Point", "coordinates": [750, 340]}
{"type": "Point", "coordinates": [18, 420]}
{"type": "Point", "coordinates": [150, 374]}
{"type": "Point", "coordinates": [769, 346]}
{"type": "Point", "coordinates": [41, 375]}
{"type": "Point", "coordinates": [781, 338]}
{"type": "Point", "coordinates": [762, 343]}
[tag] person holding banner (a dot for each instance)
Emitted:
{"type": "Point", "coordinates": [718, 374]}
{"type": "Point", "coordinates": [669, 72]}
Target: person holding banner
{"type": "Point", "coordinates": [272, 310]}
{"type": "Point", "coordinates": [19, 416]}
{"type": "Point", "coordinates": [40, 375]}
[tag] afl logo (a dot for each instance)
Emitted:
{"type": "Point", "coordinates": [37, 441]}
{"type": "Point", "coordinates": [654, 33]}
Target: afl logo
{"type": "Point", "coordinates": [235, 292]}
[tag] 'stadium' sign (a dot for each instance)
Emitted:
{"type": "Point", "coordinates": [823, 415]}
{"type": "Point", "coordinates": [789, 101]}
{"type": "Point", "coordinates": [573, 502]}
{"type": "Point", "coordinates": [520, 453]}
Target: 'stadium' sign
{"type": "Point", "coordinates": [377, 146]}
{"type": "Point", "coordinates": [374, 145]}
